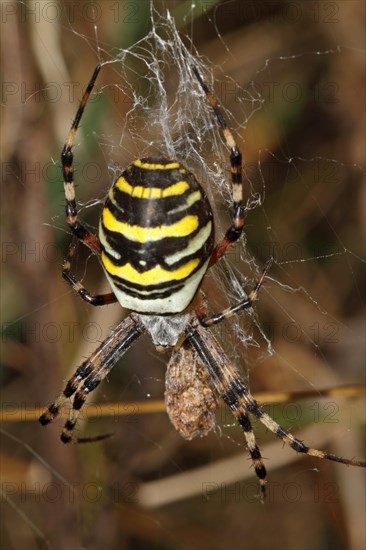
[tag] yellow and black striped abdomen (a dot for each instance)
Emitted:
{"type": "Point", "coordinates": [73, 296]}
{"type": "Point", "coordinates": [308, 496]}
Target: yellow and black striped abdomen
{"type": "Point", "coordinates": [156, 233]}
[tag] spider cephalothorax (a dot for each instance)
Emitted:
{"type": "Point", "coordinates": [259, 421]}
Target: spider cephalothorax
{"type": "Point", "coordinates": [155, 243]}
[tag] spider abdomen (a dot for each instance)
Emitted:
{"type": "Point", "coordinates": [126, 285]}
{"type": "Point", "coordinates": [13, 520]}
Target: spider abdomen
{"type": "Point", "coordinates": [156, 233]}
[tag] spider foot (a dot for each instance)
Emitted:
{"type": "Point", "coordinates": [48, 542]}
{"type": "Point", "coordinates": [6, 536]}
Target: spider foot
{"type": "Point", "coordinates": [50, 413]}
{"type": "Point", "coordinates": [68, 437]}
{"type": "Point", "coordinates": [95, 438]}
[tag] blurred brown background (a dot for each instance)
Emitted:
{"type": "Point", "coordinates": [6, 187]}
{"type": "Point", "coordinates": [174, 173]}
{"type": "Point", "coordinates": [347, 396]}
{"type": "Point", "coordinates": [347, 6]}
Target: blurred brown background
{"type": "Point", "coordinates": [304, 150]}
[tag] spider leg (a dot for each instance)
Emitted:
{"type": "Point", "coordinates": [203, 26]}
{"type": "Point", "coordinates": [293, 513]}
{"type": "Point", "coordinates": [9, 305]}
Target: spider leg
{"type": "Point", "coordinates": [235, 230]}
{"type": "Point", "coordinates": [255, 454]}
{"type": "Point", "coordinates": [91, 372]}
{"type": "Point", "coordinates": [230, 385]}
{"type": "Point", "coordinates": [240, 409]}
{"type": "Point", "coordinates": [67, 159]}
{"type": "Point", "coordinates": [236, 308]}
{"type": "Point", "coordinates": [94, 300]}
{"type": "Point", "coordinates": [78, 230]}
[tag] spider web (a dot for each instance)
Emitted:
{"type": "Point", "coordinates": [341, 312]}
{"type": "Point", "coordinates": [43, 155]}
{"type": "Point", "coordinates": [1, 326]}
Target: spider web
{"type": "Point", "coordinates": [170, 116]}
{"type": "Point", "coordinates": [289, 97]}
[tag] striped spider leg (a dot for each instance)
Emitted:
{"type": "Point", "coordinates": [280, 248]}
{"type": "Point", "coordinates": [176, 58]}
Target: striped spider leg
{"type": "Point", "coordinates": [79, 231]}
{"type": "Point", "coordinates": [235, 230]}
{"type": "Point", "coordinates": [226, 380]}
{"type": "Point", "coordinates": [228, 383]}
{"type": "Point", "coordinates": [91, 373]}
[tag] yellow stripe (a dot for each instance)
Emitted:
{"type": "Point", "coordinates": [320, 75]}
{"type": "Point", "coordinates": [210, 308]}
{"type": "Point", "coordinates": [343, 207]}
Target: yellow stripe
{"type": "Point", "coordinates": [152, 166]}
{"type": "Point", "coordinates": [176, 189]}
{"type": "Point", "coordinates": [184, 227]}
{"type": "Point", "coordinates": [151, 192]}
{"type": "Point", "coordinates": [153, 276]}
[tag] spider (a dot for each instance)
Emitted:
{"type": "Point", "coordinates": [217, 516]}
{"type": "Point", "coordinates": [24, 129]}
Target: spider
{"type": "Point", "coordinates": [155, 243]}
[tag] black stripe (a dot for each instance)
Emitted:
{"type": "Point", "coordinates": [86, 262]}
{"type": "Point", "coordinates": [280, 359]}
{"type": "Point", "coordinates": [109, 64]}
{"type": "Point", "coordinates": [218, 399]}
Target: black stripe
{"type": "Point", "coordinates": [153, 290]}
{"type": "Point", "coordinates": [153, 253]}
{"type": "Point", "coordinates": [49, 414]}
{"type": "Point", "coordinates": [254, 408]}
{"type": "Point", "coordinates": [335, 458]}
{"type": "Point", "coordinates": [67, 158]}
{"type": "Point", "coordinates": [260, 471]}
{"type": "Point", "coordinates": [171, 285]}
{"type": "Point", "coordinates": [134, 209]}
{"type": "Point", "coordinates": [158, 177]}
{"type": "Point", "coordinates": [244, 422]}
{"type": "Point", "coordinates": [299, 446]}
{"type": "Point", "coordinates": [70, 424]}
{"type": "Point", "coordinates": [72, 385]}
{"type": "Point", "coordinates": [65, 437]}
{"type": "Point", "coordinates": [235, 156]}
{"type": "Point", "coordinates": [238, 387]}
{"type": "Point", "coordinates": [156, 212]}
{"type": "Point", "coordinates": [236, 178]}
{"type": "Point", "coordinates": [53, 409]}
{"type": "Point", "coordinates": [255, 453]}
{"type": "Point", "coordinates": [151, 295]}
{"type": "Point", "coordinates": [70, 209]}
{"type": "Point", "coordinates": [230, 399]}
{"type": "Point", "coordinates": [80, 398]}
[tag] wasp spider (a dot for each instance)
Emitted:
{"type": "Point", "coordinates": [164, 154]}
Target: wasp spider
{"type": "Point", "coordinates": [155, 243]}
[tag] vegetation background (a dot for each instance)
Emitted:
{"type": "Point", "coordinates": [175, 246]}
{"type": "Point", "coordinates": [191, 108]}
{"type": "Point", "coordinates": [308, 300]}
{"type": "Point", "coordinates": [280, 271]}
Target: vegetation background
{"type": "Point", "coordinates": [312, 220]}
